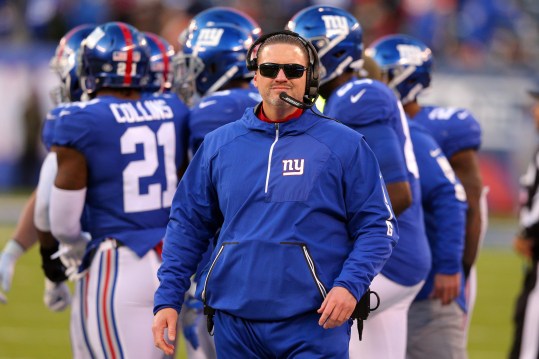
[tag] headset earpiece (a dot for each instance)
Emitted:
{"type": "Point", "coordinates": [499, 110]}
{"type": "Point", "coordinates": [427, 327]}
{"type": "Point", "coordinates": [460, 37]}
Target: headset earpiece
{"type": "Point", "coordinates": [313, 74]}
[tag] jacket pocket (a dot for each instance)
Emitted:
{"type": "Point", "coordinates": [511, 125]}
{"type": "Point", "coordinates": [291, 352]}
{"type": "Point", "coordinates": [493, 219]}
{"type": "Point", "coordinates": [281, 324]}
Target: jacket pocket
{"type": "Point", "coordinates": [263, 280]}
{"type": "Point", "coordinates": [312, 268]}
{"type": "Point", "coordinates": [211, 268]}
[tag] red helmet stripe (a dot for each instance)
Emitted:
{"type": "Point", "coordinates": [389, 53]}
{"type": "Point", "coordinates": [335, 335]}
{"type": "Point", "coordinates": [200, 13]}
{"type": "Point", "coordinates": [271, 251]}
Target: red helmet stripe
{"type": "Point", "coordinates": [63, 43]}
{"type": "Point", "coordinates": [128, 37]}
{"type": "Point", "coordinates": [163, 50]}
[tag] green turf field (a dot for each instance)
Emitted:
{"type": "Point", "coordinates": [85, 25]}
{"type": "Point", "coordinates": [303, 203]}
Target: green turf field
{"type": "Point", "coordinates": [29, 330]}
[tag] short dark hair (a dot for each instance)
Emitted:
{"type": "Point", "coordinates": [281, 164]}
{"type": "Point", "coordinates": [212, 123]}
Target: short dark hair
{"type": "Point", "coordinates": [285, 39]}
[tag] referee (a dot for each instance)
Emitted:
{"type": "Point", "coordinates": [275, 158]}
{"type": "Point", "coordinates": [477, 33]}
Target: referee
{"type": "Point", "coordinates": [526, 243]}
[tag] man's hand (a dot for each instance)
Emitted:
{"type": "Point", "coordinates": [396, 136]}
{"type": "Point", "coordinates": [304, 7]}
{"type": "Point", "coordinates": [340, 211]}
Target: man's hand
{"type": "Point", "coordinates": [57, 296]}
{"type": "Point", "coordinates": [337, 308]}
{"type": "Point", "coordinates": [446, 287]}
{"type": "Point", "coordinates": [166, 318]}
{"type": "Point", "coordinates": [523, 246]}
{"type": "Point", "coordinates": [8, 258]}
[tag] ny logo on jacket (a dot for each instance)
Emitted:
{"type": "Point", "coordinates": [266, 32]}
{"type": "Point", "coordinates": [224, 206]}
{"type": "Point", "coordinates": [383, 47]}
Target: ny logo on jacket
{"type": "Point", "coordinates": [293, 167]}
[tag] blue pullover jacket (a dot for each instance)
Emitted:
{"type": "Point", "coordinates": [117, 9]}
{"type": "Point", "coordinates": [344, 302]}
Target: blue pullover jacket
{"type": "Point", "coordinates": [302, 208]}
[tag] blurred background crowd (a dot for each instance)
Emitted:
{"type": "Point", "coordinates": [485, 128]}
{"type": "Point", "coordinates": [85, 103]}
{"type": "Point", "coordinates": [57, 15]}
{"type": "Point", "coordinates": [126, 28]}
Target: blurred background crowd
{"type": "Point", "coordinates": [486, 58]}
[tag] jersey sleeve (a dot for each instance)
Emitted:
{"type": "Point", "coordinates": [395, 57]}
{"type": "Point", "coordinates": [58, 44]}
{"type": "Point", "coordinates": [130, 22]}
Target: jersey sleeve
{"type": "Point", "coordinates": [47, 130]}
{"type": "Point", "coordinates": [218, 110]}
{"type": "Point", "coordinates": [181, 121]}
{"type": "Point", "coordinates": [361, 103]}
{"type": "Point", "coordinates": [74, 130]}
{"type": "Point", "coordinates": [465, 133]}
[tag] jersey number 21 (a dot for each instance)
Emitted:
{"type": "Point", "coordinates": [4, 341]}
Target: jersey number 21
{"type": "Point", "coordinates": [157, 197]}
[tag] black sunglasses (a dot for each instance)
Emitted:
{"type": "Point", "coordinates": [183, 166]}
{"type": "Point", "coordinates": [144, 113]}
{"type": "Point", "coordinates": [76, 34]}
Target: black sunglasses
{"type": "Point", "coordinates": [291, 71]}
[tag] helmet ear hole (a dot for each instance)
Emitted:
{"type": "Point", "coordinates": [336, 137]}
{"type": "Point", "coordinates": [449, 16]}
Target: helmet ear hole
{"type": "Point", "coordinates": [89, 83]}
{"type": "Point", "coordinates": [339, 54]}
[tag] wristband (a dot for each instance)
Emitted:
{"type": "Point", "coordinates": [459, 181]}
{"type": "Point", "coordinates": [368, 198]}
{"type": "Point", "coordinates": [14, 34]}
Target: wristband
{"type": "Point", "coordinates": [14, 249]}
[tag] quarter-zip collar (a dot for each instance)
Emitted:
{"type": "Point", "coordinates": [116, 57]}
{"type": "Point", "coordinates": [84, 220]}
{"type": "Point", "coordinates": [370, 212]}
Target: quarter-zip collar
{"type": "Point", "coordinates": [297, 126]}
{"type": "Point", "coordinates": [261, 115]}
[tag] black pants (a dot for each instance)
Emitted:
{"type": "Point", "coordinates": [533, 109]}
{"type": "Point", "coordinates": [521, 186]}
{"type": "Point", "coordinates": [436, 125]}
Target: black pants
{"type": "Point", "coordinates": [527, 302]}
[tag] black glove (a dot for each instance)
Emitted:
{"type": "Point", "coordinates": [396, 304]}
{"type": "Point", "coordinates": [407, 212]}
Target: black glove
{"type": "Point", "coordinates": [53, 268]}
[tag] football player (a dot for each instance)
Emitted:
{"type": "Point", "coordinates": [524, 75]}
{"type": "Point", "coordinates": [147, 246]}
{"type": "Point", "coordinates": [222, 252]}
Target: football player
{"type": "Point", "coordinates": [370, 107]}
{"type": "Point", "coordinates": [406, 65]}
{"type": "Point", "coordinates": [119, 158]}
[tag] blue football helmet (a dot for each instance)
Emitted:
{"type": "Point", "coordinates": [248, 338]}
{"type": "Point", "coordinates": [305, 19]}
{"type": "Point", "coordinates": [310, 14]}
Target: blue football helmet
{"type": "Point", "coordinates": [160, 73]}
{"type": "Point", "coordinates": [336, 35]}
{"type": "Point", "coordinates": [114, 55]}
{"type": "Point", "coordinates": [221, 15]}
{"type": "Point", "coordinates": [211, 57]}
{"type": "Point", "coordinates": [64, 64]}
{"type": "Point", "coordinates": [405, 62]}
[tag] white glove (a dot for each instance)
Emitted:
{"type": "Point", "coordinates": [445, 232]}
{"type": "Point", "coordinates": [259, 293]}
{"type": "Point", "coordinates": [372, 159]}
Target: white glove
{"type": "Point", "coordinates": [8, 258]}
{"type": "Point", "coordinates": [190, 315]}
{"type": "Point", "coordinates": [71, 255]}
{"type": "Point", "coordinates": [57, 296]}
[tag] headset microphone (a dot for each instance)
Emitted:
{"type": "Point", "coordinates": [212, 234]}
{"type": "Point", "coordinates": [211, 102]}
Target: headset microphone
{"type": "Point", "coordinates": [292, 101]}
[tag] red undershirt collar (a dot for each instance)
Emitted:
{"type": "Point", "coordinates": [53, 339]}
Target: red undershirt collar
{"type": "Point", "coordinates": [262, 116]}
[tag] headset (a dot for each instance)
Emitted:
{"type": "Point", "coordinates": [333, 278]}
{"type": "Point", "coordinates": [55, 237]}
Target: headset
{"type": "Point", "coordinates": [312, 81]}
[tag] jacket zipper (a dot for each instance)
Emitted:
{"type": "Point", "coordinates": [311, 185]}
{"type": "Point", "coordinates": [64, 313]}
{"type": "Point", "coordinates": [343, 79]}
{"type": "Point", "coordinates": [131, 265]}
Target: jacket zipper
{"type": "Point", "coordinates": [211, 269]}
{"type": "Point", "coordinates": [310, 263]}
{"type": "Point", "coordinates": [270, 156]}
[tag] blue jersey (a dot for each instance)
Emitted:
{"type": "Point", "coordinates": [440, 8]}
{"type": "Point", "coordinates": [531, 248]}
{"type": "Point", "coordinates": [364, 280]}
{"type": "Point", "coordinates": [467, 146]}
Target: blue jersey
{"type": "Point", "coordinates": [132, 150]}
{"type": "Point", "coordinates": [444, 204]}
{"type": "Point", "coordinates": [453, 129]}
{"type": "Point", "coordinates": [285, 239]}
{"type": "Point", "coordinates": [371, 108]}
{"type": "Point", "coordinates": [217, 110]}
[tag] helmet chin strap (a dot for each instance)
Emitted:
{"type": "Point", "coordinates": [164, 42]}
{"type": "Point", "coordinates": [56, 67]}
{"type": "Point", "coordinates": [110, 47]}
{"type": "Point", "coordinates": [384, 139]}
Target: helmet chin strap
{"type": "Point", "coordinates": [338, 71]}
{"type": "Point", "coordinates": [401, 77]}
{"type": "Point", "coordinates": [337, 40]}
{"type": "Point", "coordinates": [223, 79]}
{"type": "Point", "coordinates": [412, 94]}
